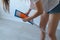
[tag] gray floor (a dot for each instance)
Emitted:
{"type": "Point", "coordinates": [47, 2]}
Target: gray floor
{"type": "Point", "coordinates": [10, 30]}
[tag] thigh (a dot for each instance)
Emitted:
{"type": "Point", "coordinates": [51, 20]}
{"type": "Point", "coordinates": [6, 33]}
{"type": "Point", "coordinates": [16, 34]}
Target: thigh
{"type": "Point", "coordinates": [53, 22]}
{"type": "Point", "coordinates": [44, 19]}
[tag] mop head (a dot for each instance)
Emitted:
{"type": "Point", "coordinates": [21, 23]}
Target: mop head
{"type": "Point", "coordinates": [21, 15]}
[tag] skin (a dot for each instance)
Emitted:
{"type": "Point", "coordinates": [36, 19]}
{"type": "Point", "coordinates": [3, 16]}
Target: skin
{"type": "Point", "coordinates": [52, 25]}
{"type": "Point", "coordinates": [43, 22]}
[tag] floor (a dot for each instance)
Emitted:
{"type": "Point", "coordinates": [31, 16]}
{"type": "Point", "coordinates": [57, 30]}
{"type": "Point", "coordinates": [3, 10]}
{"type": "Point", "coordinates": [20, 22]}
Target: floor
{"type": "Point", "coordinates": [11, 30]}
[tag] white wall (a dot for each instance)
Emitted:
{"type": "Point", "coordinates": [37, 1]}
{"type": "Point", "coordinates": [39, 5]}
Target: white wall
{"type": "Point", "coordinates": [0, 13]}
{"type": "Point", "coordinates": [20, 5]}
{"type": "Point", "coordinates": [14, 5]}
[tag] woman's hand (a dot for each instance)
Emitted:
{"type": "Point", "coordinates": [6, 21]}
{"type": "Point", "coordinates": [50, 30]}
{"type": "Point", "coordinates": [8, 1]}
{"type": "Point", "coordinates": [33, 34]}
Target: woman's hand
{"type": "Point", "coordinates": [27, 19]}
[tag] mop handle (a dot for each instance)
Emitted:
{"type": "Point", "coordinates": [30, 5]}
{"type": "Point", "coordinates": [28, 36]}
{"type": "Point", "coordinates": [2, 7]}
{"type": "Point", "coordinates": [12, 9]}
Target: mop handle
{"type": "Point", "coordinates": [40, 28]}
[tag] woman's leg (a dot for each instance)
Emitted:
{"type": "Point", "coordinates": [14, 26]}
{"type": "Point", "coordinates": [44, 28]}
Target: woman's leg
{"type": "Point", "coordinates": [52, 25]}
{"type": "Point", "coordinates": [43, 22]}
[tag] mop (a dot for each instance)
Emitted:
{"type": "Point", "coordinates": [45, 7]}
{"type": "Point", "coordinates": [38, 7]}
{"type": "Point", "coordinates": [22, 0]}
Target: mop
{"type": "Point", "coordinates": [22, 16]}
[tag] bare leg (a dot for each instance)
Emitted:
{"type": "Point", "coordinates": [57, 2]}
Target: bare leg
{"type": "Point", "coordinates": [43, 22]}
{"type": "Point", "coordinates": [52, 25]}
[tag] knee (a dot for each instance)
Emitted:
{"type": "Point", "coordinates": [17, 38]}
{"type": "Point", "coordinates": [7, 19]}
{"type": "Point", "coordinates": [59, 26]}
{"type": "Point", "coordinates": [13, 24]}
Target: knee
{"type": "Point", "coordinates": [51, 35]}
{"type": "Point", "coordinates": [42, 26]}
